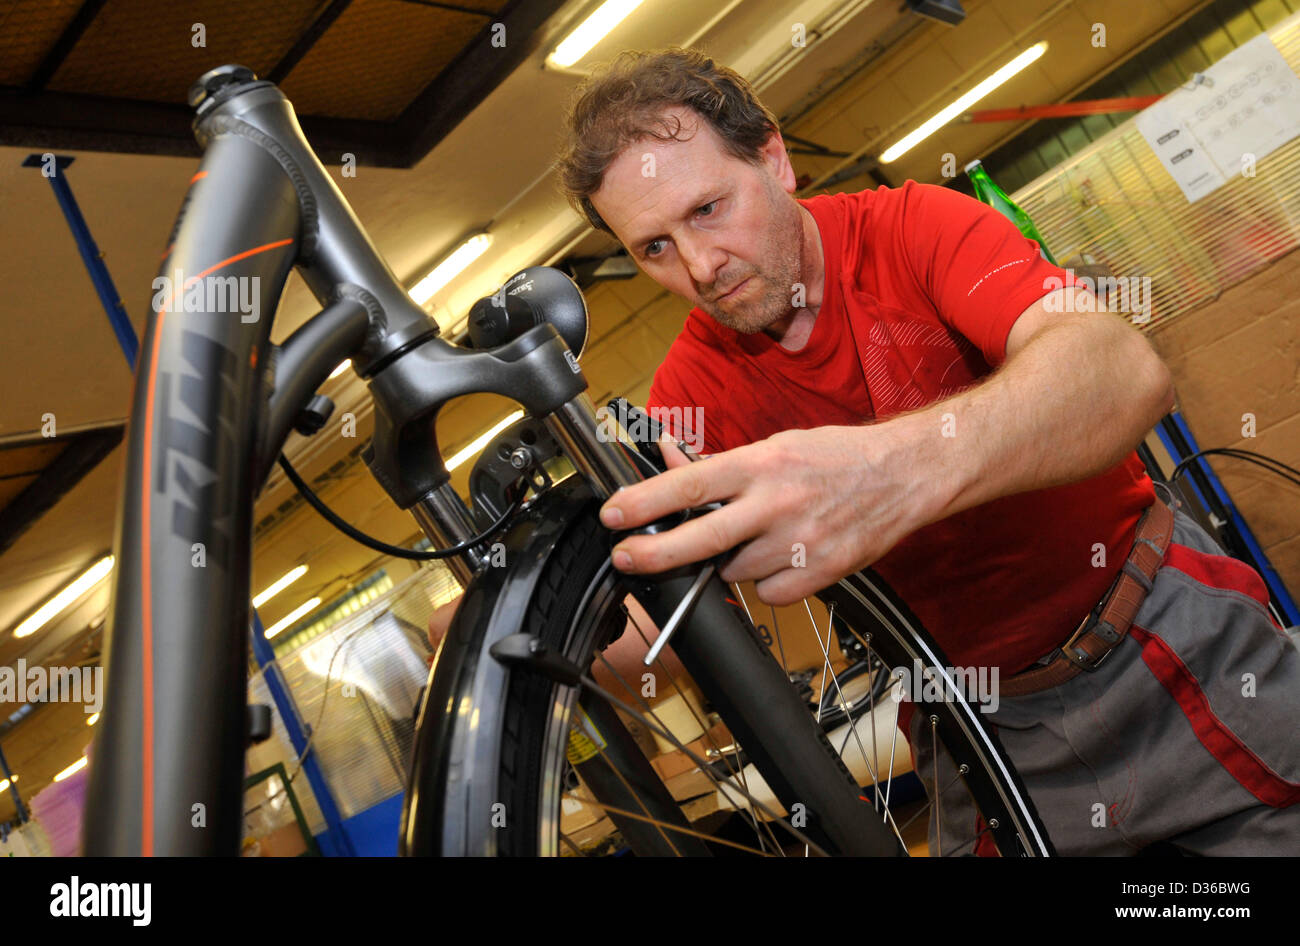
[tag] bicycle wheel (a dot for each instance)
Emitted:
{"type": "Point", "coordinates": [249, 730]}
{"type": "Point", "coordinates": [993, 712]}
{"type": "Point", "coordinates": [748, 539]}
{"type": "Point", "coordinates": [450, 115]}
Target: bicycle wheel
{"type": "Point", "coordinates": [550, 747]}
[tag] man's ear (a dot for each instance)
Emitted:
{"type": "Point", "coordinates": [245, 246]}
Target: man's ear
{"type": "Point", "coordinates": [777, 161]}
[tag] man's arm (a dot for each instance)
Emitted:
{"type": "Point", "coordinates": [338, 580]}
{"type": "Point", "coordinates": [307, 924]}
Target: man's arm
{"type": "Point", "coordinates": [1077, 392]}
{"type": "Point", "coordinates": [807, 507]}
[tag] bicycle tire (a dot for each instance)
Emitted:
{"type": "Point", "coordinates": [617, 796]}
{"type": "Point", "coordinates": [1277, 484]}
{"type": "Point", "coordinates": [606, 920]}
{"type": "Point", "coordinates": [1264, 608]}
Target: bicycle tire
{"type": "Point", "coordinates": [574, 612]}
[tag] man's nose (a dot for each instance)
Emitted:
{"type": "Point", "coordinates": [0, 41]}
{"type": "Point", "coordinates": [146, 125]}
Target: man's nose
{"type": "Point", "coordinates": [703, 261]}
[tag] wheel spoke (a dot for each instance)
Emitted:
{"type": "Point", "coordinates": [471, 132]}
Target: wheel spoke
{"type": "Point", "coordinates": [893, 742]}
{"type": "Point", "coordinates": [665, 826]}
{"type": "Point", "coordinates": [926, 807]}
{"type": "Point", "coordinates": [889, 779]}
{"type": "Point", "coordinates": [938, 809]}
{"type": "Point", "coordinates": [662, 727]}
{"type": "Point", "coordinates": [755, 822]}
{"type": "Point", "coordinates": [565, 839]}
{"type": "Point", "coordinates": [848, 711]}
{"type": "Point", "coordinates": [871, 711]}
{"type": "Point", "coordinates": [635, 794]}
{"type": "Point", "coordinates": [723, 786]}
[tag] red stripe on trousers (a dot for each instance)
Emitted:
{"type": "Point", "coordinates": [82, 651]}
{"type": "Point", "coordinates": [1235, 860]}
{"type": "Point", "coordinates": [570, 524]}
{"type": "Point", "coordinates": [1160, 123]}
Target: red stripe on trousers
{"type": "Point", "coordinates": [1222, 572]}
{"type": "Point", "coordinates": [1242, 764]}
{"type": "Point", "coordinates": [985, 846]}
{"type": "Point", "coordinates": [1219, 571]}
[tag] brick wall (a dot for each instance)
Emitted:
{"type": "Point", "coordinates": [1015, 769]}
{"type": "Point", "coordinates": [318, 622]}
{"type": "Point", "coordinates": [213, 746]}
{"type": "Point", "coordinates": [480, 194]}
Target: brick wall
{"type": "Point", "coordinates": [1239, 355]}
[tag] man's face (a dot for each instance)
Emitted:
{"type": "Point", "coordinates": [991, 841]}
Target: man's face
{"type": "Point", "coordinates": [703, 223]}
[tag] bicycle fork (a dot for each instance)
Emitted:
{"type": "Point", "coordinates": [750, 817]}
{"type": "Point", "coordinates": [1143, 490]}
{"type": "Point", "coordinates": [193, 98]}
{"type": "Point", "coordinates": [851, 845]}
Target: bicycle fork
{"type": "Point", "coordinates": [720, 649]}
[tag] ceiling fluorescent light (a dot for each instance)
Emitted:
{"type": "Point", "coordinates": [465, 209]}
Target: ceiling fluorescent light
{"type": "Point", "coordinates": [73, 768]}
{"type": "Point", "coordinates": [468, 453]}
{"type": "Point", "coordinates": [591, 31]}
{"type": "Point", "coordinates": [281, 583]}
{"type": "Point", "coordinates": [908, 142]}
{"type": "Point", "coordinates": [301, 611]}
{"type": "Point", "coordinates": [79, 586]}
{"type": "Point", "coordinates": [451, 267]}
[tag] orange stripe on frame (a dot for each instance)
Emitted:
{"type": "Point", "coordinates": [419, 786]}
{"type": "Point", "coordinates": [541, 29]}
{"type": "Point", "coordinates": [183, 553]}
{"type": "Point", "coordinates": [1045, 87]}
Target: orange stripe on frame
{"type": "Point", "coordinates": [236, 258]}
{"type": "Point", "coordinates": [146, 557]}
{"type": "Point", "coordinates": [146, 603]}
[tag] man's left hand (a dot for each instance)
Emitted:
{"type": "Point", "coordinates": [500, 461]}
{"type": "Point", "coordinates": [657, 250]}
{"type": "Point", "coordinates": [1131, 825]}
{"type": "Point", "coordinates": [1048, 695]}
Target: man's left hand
{"type": "Point", "coordinates": [805, 507]}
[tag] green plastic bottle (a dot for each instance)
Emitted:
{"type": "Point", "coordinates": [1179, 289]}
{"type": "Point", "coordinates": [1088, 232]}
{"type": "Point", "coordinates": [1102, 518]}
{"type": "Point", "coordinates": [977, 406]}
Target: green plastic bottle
{"type": "Point", "coordinates": [997, 198]}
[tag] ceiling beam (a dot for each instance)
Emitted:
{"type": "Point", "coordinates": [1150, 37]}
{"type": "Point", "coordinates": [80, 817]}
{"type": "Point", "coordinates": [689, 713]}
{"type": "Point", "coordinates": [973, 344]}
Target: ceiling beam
{"type": "Point", "coordinates": [79, 457]}
{"type": "Point", "coordinates": [67, 121]}
{"type": "Point", "coordinates": [73, 32]}
{"type": "Point", "coordinates": [469, 78]}
{"type": "Point", "coordinates": [307, 40]}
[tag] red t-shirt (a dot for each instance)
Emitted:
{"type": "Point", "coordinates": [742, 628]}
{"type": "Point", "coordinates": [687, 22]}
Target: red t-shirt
{"type": "Point", "coordinates": [922, 286]}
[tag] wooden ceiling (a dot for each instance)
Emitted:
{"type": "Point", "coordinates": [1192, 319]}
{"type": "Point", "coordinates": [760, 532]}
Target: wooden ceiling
{"type": "Point", "coordinates": [112, 75]}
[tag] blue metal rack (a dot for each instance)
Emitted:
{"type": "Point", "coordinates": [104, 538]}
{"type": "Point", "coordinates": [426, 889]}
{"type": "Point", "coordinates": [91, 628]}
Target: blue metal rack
{"type": "Point", "coordinates": [53, 166]}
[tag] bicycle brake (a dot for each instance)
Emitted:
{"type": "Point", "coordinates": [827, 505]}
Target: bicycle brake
{"type": "Point", "coordinates": [527, 650]}
{"type": "Point", "coordinates": [639, 429]}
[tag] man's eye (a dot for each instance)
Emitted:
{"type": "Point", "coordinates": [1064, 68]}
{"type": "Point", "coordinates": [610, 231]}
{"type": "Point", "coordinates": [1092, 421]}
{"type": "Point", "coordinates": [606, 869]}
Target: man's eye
{"type": "Point", "coordinates": [708, 208]}
{"type": "Point", "coordinates": [649, 248]}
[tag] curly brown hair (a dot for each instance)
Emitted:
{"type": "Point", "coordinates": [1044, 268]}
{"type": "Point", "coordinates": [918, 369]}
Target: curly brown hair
{"type": "Point", "coordinates": [625, 103]}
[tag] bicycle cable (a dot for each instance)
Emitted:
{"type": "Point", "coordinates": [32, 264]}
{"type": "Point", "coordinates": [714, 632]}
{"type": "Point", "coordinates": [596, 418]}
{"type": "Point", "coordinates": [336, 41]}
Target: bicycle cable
{"type": "Point", "coordinates": [354, 533]}
{"type": "Point", "coordinates": [1250, 456]}
{"type": "Point", "coordinates": [396, 551]}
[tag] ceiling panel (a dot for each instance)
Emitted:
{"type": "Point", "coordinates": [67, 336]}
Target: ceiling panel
{"type": "Point", "coordinates": [28, 28]}
{"type": "Point", "coordinates": [144, 49]}
{"type": "Point", "coordinates": [388, 49]}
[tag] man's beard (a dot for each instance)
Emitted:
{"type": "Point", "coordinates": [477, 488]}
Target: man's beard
{"type": "Point", "coordinates": [769, 295]}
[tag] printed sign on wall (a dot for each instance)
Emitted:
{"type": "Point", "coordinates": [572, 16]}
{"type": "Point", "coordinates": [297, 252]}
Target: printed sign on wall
{"type": "Point", "coordinates": [1245, 106]}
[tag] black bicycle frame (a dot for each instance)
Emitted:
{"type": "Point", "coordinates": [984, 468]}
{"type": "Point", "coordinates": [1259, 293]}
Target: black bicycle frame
{"type": "Point", "coordinates": [212, 405]}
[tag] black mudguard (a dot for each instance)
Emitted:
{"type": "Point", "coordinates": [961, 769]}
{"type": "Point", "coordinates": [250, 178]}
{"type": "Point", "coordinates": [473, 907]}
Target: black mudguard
{"type": "Point", "coordinates": [453, 779]}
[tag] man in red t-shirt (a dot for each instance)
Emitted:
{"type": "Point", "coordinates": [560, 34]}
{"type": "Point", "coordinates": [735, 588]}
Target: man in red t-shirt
{"type": "Point", "coordinates": [897, 379]}
{"type": "Point", "coordinates": [920, 289]}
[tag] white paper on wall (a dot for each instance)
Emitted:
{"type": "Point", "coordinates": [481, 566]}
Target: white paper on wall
{"type": "Point", "coordinates": [1242, 108]}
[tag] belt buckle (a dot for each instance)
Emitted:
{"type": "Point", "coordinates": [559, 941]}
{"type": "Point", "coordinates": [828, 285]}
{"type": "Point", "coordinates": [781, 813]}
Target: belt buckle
{"type": "Point", "coordinates": [1078, 656]}
{"type": "Point", "coordinates": [1068, 650]}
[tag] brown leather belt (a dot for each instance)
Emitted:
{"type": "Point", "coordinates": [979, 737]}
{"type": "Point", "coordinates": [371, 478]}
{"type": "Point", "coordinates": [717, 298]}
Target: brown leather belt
{"type": "Point", "coordinates": [1107, 624]}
